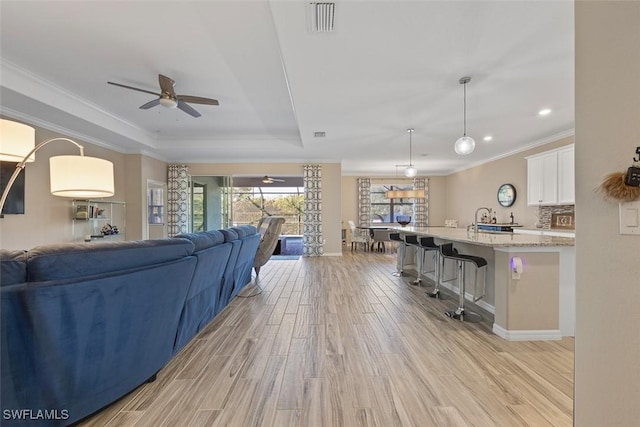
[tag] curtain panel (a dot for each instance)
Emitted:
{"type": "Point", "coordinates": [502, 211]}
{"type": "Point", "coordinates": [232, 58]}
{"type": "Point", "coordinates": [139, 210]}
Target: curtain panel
{"type": "Point", "coordinates": [364, 202]}
{"type": "Point", "coordinates": [421, 205]}
{"type": "Point", "coordinates": [177, 199]}
{"type": "Point", "coordinates": [312, 241]}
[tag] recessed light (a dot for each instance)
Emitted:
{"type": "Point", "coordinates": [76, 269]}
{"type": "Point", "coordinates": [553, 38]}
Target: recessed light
{"type": "Point", "coordinates": [544, 112]}
{"type": "Point", "coordinates": [488, 138]}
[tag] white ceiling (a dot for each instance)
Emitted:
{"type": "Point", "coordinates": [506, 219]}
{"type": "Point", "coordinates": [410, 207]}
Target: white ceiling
{"type": "Point", "coordinates": [388, 66]}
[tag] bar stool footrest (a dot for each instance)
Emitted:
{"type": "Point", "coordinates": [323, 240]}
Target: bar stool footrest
{"type": "Point", "coordinates": [437, 294]}
{"type": "Point", "coordinates": [464, 315]}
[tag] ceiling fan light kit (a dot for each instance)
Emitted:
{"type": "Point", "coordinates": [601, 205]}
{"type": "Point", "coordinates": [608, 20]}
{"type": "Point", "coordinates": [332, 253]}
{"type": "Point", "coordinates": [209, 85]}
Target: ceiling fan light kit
{"type": "Point", "coordinates": [465, 144]}
{"type": "Point", "coordinates": [411, 170]}
{"type": "Point", "coordinates": [168, 102]}
{"type": "Point", "coordinates": [169, 99]}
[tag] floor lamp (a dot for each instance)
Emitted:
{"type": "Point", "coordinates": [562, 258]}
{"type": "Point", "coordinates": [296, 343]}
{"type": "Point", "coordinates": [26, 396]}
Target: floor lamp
{"type": "Point", "coordinates": [76, 176]}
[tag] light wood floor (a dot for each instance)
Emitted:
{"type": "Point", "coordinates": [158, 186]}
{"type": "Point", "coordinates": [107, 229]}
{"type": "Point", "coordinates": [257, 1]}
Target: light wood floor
{"type": "Point", "coordinates": [338, 341]}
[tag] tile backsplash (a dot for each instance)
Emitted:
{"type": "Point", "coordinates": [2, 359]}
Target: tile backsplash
{"type": "Point", "coordinates": [545, 213]}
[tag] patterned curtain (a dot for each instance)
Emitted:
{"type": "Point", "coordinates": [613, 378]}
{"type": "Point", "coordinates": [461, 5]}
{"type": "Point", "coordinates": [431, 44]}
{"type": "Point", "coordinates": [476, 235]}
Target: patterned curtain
{"type": "Point", "coordinates": [364, 201]}
{"type": "Point", "coordinates": [177, 200]}
{"type": "Point", "coordinates": [421, 206]}
{"type": "Point", "coordinates": [312, 242]}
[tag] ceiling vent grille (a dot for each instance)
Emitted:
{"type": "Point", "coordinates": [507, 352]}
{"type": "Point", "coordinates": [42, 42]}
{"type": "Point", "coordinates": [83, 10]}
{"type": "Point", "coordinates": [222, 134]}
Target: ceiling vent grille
{"type": "Point", "coordinates": [319, 134]}
{"type": "Point", "coordinates": [322, 17]}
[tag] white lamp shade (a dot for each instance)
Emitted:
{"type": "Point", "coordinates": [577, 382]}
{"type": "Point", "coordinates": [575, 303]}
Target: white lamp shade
{"type": "Point", "coordinates": [411, 171]}
{"type": "Point", "coordinates": [16, 140]}
{"type": "Point", "coordinates": [464, 145]}
{"type": "Point", "coordinates": [81, 177]}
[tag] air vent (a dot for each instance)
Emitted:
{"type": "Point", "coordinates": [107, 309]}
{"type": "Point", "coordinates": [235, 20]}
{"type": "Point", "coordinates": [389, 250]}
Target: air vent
{"type": "Point", "coordinates": [322, 17]}
{"type": "Point", "coordinates": [319, 134]}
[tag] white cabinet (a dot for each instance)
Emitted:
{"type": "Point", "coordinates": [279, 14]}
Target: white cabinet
{"type": "Point", "coordinates": [566, 176]}
{"type": "Point", "coordinates": [542, 181]}
{"type": "Point", "coordinates": [550, 177]}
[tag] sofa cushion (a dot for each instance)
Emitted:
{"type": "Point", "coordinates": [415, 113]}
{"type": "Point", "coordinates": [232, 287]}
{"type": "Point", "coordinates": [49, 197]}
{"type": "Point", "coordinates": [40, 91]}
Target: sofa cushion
{"type": "Point", "coordinates": [68, 260]}
{"type": "Point", "coordinates": [13, 267]}
{"type": "Point", "coordinates": [216, 235]}
{"type": "Point", "coordinates": [204, 239]}
{"type": "Point", "coordinates": [244, 230]}
{"type": "Point", "coordinates": [229, 235]}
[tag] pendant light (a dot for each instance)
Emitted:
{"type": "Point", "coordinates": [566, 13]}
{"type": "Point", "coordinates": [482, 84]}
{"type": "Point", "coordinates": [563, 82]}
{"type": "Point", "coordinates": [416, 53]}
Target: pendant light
{"type": "Point", "coordinates": [411, 170]}
{"type": "Point", "coordinates": [465, 144]}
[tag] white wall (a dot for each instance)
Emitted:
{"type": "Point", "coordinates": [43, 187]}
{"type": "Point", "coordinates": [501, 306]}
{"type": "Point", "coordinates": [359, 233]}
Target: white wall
{"type": "Point", "coordinates": [478, 187]}
{"type": "Point", "coordinates": [607, 345]}
{"type": "Point", "coordinates": [47, 218]}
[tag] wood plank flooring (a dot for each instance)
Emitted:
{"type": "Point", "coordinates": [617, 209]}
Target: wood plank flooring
{"type": "Point", "coordinates": [339, 341]}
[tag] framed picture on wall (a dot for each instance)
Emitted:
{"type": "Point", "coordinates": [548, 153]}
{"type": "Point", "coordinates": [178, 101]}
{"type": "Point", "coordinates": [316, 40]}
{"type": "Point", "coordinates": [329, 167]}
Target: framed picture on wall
{"type": "Point", "coordinates": [155, 201]}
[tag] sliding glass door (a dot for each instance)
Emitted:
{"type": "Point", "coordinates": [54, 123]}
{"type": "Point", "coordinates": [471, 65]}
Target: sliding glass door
{"type": "Point", "coordinates": [210, 202]}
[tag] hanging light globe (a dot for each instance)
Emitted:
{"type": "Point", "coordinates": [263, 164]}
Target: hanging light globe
{"type": "Point", "coordinates": [410, 171]}
{"type": "Point", "coordinates": [464, 145]}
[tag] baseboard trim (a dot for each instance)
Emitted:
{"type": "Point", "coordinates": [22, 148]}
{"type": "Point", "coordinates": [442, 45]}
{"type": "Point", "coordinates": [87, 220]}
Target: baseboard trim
{"type": "Point", "coordinates": [332, 254]}
{"type": "Point", "coordinates": [526, 335]}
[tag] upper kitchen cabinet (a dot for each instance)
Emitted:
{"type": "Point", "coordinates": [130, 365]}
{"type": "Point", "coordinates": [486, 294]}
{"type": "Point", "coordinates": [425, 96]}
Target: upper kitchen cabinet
{"type": "Point", "coordinates": [566, 176]}
{"type": "Point", "coordinates": [550, 177]}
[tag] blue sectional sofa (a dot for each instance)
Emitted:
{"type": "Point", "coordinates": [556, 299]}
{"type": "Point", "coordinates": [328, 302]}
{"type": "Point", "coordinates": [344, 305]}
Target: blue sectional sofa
{"type": "Point", "coordinates": [84, 324]}
{"type": "Point", "coordinates": [201, 304]}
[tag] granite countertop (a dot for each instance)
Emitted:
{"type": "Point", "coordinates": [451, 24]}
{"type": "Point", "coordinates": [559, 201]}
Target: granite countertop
{"type": "Point", "coordinates": [489, 239]}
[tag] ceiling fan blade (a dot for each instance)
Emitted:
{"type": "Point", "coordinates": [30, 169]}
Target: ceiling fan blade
{"type": "Point", "coordinates": [166, 85]}
{"type": "Point", "coordinates": [134, 88]}
{"type": "Point", "coordinates": [188, 109]}
{"type": "Point", "coordinates": [270, 180]}
{"type": "Point", "coordinates": [150, 104]}
{"type": "Point", "coordinates": [197, 100]}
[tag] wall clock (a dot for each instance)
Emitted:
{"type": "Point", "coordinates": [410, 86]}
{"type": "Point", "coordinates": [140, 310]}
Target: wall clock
{"type": "Point", "coordinates": [506, 195]}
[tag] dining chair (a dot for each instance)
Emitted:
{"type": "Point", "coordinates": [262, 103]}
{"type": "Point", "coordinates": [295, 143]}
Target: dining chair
{"type": "Point", "coordinates": [359, 236]}
{"type": "Point", "coordinates": [380, 236]}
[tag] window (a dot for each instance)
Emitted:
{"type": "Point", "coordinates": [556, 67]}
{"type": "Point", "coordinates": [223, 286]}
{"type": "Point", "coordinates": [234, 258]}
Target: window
{"type": "Point", "coordinates": [385, 210]}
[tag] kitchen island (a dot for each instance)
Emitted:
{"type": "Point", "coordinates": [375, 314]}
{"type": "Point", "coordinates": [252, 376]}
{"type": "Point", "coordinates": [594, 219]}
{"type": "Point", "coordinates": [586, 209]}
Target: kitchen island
{"type": "Point", "coordinates": [537, 304]}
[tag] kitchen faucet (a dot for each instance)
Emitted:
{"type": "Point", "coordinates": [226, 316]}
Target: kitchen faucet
{"type": "Point", "coordinates": [475, 224]}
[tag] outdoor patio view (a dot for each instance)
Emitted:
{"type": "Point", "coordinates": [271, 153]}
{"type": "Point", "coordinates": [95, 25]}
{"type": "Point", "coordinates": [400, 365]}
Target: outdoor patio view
{"type": "Point", "coordinates": [385, 210]}
{"type": "Point", "coordinates": [252, 203]}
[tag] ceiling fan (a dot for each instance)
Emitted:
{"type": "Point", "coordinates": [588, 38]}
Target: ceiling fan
{"type": "Point", "coordinates": [168, 98]}
{"type": "Point", "coordinates": [270, 180]}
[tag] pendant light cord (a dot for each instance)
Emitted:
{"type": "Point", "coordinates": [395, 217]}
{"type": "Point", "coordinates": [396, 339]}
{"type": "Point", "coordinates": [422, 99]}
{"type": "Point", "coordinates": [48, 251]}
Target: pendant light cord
{"type": "Point", "coordinates": [464, 113]}
{"type": "Point", "coordinates": [410, 157]}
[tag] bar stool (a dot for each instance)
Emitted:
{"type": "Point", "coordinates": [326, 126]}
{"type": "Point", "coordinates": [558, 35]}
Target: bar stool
{"type": "Point", "coordinates": [412, 240]}
{"type": "Point", "coordinates": [429, 244]}
{"type": "Point", "coordinates": [395, 237]}
{"type": "Point", "coordinates": [447, 251]}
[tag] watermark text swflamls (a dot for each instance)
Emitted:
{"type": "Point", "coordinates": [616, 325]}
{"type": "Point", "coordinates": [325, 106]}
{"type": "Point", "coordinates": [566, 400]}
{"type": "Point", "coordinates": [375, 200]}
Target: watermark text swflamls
{"type": "Point", "coordinates": [35, 414]}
